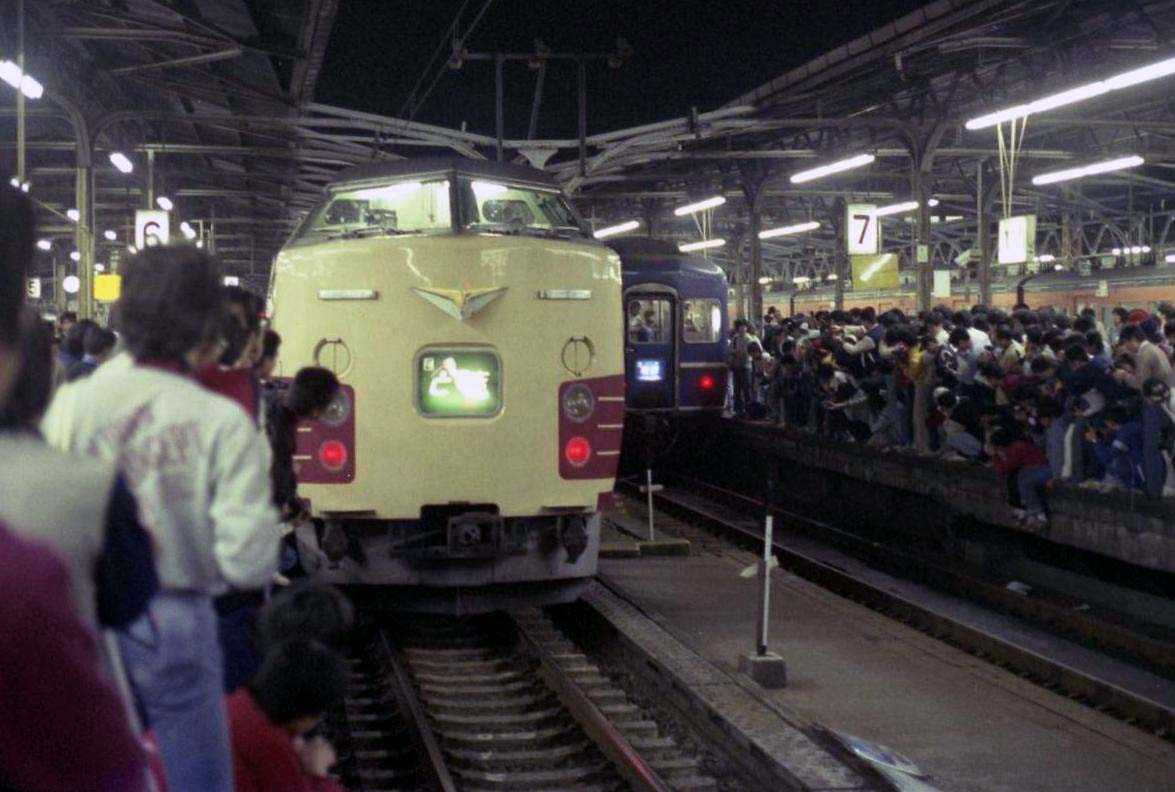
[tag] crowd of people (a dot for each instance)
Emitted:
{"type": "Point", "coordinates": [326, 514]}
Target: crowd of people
{"type": "Point", "coordinates": [156, 635]}
{"type": "Point", "coordinates": [1043, 397]}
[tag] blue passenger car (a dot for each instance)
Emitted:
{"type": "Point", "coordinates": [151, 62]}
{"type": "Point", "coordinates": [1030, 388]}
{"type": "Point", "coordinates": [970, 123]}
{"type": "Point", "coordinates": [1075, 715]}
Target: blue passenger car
{"type": "Point", "coordinates": [675, 329]}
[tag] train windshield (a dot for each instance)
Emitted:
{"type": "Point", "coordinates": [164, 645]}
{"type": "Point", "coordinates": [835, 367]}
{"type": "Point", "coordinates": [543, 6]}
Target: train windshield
{"type": "Point", "coordinates": [512, 209]}
{"type": "Point", "coordinates": [406, 207]}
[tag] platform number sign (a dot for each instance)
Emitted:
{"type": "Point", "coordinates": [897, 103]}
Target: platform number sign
{"type": "Point", "coordinates": [33, 288]}
{"type": "Point", "coordinates": [862, 230]}
{"type": "Point", "coordinates": [1017, 239]}
{"type": "Point", "coordinates": [151, 228]}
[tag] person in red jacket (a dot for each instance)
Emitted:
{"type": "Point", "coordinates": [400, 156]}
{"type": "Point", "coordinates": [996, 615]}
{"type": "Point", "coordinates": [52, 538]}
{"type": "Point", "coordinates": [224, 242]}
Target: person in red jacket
{"type": "Point", "coordinates": [270, 717]}
{"type": "Point", "coordinates": [1026, 468]}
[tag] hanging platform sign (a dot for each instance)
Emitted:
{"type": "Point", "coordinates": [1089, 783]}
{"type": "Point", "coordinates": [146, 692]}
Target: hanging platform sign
{"type": "Point", "coordinates": [1017, 239]}
{"type": "Point", "coordinates": [862, 230]}
{"type": "Point", "coordinates": [152, 227]}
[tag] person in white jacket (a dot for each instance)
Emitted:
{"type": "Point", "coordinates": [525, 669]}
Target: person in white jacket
{"type": "Point", "coordinates": [198, 470]}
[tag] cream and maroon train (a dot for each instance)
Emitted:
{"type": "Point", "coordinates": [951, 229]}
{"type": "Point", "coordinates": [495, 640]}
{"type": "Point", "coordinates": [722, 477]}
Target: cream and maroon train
{"type": "Point", "coordinates": [473, 323]}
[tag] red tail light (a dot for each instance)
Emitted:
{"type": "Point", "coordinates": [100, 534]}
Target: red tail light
{"type": "Point", "coordinates": [706, 382]}
{"type": "Point", "coordinates": [578, 451]}
{"type": "Point", "coordinates": [332, 454]}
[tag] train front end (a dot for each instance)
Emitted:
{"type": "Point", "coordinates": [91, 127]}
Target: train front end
{"type": "Point", "coordinates": [473, 325]}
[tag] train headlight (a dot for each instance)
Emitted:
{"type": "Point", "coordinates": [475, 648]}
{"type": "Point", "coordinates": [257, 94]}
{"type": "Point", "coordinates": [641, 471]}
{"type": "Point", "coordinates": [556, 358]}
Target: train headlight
{"type": "Point", "coordinates": [339, 409]}
{"type": "Point", "coordinates": [578, 451]}
{"type": "Point", "coordinates": [332, 455]}
{"type": "Point", "coordinates": [578, 403]}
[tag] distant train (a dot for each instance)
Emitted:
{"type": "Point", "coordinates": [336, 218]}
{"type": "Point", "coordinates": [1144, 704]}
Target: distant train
{"type": "Point", "coordinates": [1133, 287]}
{"type": "Point", "coordinates": [675, 331]}
{"type": "Point", "coordinates": [473, 322]}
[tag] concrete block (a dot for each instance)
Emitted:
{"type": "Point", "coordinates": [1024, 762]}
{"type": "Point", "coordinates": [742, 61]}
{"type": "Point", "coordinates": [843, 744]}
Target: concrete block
{"type": "Point", "coordinates": [619, 550]}
{"type": "Point", "coordinates": [767, 670]}
{"type": "Point", "coordinates": [666, 547]}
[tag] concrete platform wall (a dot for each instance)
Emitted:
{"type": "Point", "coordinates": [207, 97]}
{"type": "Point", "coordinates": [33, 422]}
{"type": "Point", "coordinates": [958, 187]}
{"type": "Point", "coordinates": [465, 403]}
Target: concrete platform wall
{"type": "Point", "coordinates": [867, 485]}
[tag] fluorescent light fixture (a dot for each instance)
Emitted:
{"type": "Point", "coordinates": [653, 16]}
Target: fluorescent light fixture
{"type": "Point", "coordinates": [699, 206]}
{"type": "Point", "coordinates": [1081, 92]}
{"type": "Point", "coordinates": [893, 209]}
{"type": "Point", "coordinates": [482, 188]}
{"type": "Point", "coordinates": [933, 202]}
{"type": "Point", "coordinates": [1119, 163]}
{"type": "Point", "coordinates": [832, 276]}
{"type": "Point", "coordinates": [70, 284]}
{"type": "Point", "coordinates": [764, 280]}
{"type": "Point", "coordinates": [73, 214]}
{"type": "Point", "coordinates": [1047, 258]}
{"type": "Point", "coordinates": [200, 243]}
{"type": "Point", "coordinates": [25, 187]}
{"type": "Point", "coordinates": [75, 255]}
{"type": "Point", "coordinates": [10, 73]}
{"type": "Point", "coordinates": [1170, 259]}
{"type": "Point", "coordinates": [31, 88]}
{"type": "Point", "coordinates": [1116, 252]}
{"type": "Point", "coordinates": [705, 244]}
{"type": "Point", "coordinates": [1146, 248]}
{"type": "Point", "coordinates": [110, 235]}
{"type": "Point", "coordinates": [44, 244]}
{"type": "Point", "coordinates": [187, 230]}
{"type": "Point", "coordinates": [833, 167]}
{"type": "Point", "coordinates": [164, 203]}
{"type": "Point", "coordinates": [120, 161]}
{"type": "Point", "coordinates": [799, 228]}
{"type": "Point", "coordinates": [232, 280]}
{"type": "Point", "coordinates": [99, 268]}
{"type": "Point", "coordinates": [1058, 267]}
{"type": "Point", "coordinates": [801, 279]}
{"type": "Point", "coordinates": [1138, 250]}
{"type": "Point", "coordinates": [132, 249]}
{"type": "Point", "coordinates": [619, 228]}
{"type": "Point", "coordinates": [15, 182]}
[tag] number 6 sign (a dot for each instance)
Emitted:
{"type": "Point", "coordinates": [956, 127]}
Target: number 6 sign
{"type": "Point", "coordinates": [862, 230]}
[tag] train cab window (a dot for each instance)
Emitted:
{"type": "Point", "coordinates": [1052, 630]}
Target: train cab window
{"type": "Point", "coordinates": [701, 321]}
{"type": "Point", "coordinates": [507, 208]}
{"type": "Point", "coordinates": [650, 321]}
{"type": "Point", "coordinates": [399, 208]}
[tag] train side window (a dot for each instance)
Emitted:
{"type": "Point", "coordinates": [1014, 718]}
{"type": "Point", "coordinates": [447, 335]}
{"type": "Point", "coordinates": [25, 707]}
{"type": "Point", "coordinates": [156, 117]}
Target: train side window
{"type": "Point", "coordinates": [650, 321]}
{"type": "Point", "coordinates": [701, 321]}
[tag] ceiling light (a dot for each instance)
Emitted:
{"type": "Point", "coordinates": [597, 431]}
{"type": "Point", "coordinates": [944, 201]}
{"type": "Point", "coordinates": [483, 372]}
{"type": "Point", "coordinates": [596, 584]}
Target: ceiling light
{"type": "Point", "coordinates": [800, 228]}
{"type": "Point", "coordinates": [1047, 258]}
{"type": "Point", "coordinates": [1058, 267]}
{"type": "Point", "coordinates": [25, 187]}
{"type": "Point", "coordinates": [110, 235]}
{"type": "Point", "coordinates": [232, 280]}
{"type": "Point", "coordinates": [764, 280]}
{"type": "Point", "coordinates": [832, 276]}
{"type": "Point", "coordinates": [99, 268]}
{"type": "Point", "coordinates": [933, 202]}
{"type": "Point", "coordinates": [619, 228]}
{"type": "Point", "coordinates": [164, 203]}
{"type": "Point", "coordinates": [1170, 259]}
{"type": "Point", "coordinates": [893, 209]}
{"type": "Point", "coordinates": [200, 243]}
{"type": "Point", "coordinates": [15, 182]}
{"type": "Point", "coordinates": [132, 249]}
{"type": "Point", "coordinates": [75, 255]}
{"type": "Point", "coordinates": [801, 279]}
{"type": "Point", "coordinates": [10, 73]}
{"type": "Point", "coordinates": [71, 283]}
{"type": "Point", "coordinates": [1133, 161]}
{"type": "Point", "coordinates": [1116, 252]}
{"type": "Point", "coordinates": [44, 244]}
{"type": "Point", "coordinates": [120, 161]}
{"type": "Point", "coordinates": [1146, 249]}
{"type": "Point", "coordinates": [705, 244]}
{"type": "Point", "coordinates": [187, 230]}
{"type": "Point", "coordinates": [833, 167]}
{"type": "Point", "coordinates": [698, 206]}
{"type": "Point", "coordinates": [73, 214]}
{"type": "Point", "coordinates": [31, 88]}
{"type": "Point", "coordinates": [1081, 92]}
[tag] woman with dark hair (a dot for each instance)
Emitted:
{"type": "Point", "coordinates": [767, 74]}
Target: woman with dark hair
{"type": "Point", "coordinates": [199, 470]}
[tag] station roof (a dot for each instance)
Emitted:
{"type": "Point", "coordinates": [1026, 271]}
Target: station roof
{"type": "Point", "coordinates": [490, 169]}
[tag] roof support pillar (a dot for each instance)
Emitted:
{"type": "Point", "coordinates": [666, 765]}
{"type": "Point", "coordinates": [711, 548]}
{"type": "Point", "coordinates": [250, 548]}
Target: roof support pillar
{"type": "Point", "coordinates": [986, 191]}
{"type": "Point", "coordinates": [921, 252]}
{"type": "Point", "coordinates": [84, 236]}
{"type": "Point", "coordinates": [840, 258]}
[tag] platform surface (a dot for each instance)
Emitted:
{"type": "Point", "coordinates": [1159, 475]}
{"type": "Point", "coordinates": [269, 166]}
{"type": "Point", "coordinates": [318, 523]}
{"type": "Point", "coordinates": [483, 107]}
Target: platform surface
{"type": "Point", "coordinates": [970, 725]}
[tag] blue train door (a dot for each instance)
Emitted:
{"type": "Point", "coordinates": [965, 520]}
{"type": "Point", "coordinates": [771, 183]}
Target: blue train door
{"type": "Point", "coordinates": [650, 350]}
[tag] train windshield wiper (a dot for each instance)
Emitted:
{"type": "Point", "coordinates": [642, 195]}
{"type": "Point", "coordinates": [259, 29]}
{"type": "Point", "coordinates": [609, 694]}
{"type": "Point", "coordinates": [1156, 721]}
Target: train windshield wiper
{"type": "Point", "coordinates": [514, 229]}
{"type": "Point", "coordinates": [369, 231]}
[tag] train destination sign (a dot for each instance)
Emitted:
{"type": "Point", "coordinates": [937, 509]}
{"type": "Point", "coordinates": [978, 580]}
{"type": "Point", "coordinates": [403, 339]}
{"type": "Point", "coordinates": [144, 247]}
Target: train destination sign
{"type": "Point", "coordinates": [459, 383]}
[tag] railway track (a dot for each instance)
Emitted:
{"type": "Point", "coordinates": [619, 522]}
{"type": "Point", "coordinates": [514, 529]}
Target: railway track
{"type": "Point", "coordinates": [499, 703]}
{"type": "Point", "coordinates": [1026, 652]}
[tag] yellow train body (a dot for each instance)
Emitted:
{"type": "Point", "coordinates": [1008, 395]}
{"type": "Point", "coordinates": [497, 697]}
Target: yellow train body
{"type": "Point", "coordinates": [387, 313]}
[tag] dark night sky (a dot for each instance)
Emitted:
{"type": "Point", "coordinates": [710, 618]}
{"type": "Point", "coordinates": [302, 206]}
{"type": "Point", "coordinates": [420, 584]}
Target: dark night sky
{"type": "Point", "coordinates": [685, 53]}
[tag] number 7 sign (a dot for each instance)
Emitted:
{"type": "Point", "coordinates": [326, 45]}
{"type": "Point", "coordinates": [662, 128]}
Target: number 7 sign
{"type": "Point", "coordinates": [862, 231]}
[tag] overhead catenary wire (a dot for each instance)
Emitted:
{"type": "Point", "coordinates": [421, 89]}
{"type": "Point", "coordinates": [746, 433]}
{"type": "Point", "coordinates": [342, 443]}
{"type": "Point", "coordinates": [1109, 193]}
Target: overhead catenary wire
{"type": "Point", "coordinates": [441, 70]}
{"type": "Point", "coordinates": [446, 41]}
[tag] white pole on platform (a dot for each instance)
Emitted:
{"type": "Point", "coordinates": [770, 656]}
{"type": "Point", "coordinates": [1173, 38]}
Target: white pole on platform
{"type": "Point", "coordinates": [765, 587]}
{"type": "Point", "coordinates": [649, 491]}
